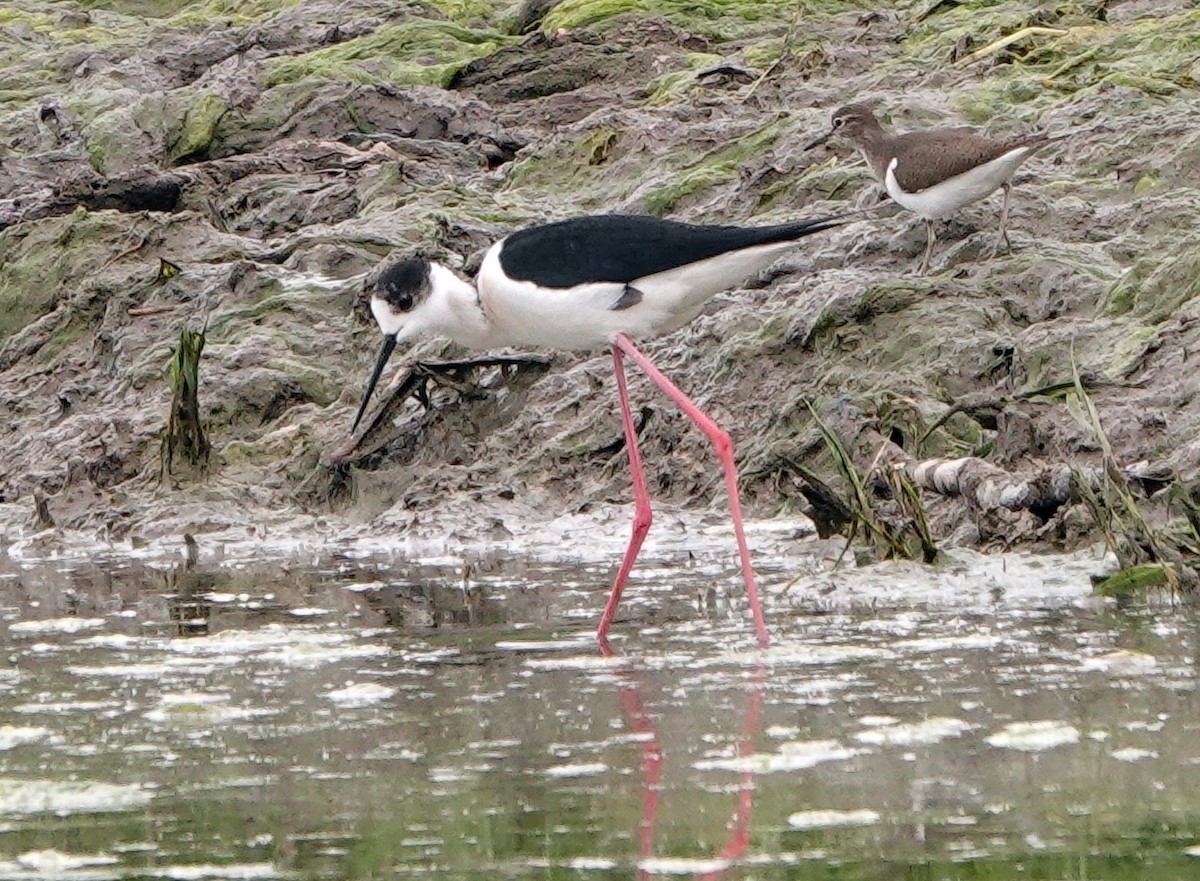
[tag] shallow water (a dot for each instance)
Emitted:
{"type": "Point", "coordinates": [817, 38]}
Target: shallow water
{"type": "Point", "coordinates": [359, 716]}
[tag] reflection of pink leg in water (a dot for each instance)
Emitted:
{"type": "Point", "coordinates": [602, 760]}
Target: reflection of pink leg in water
{"type": "Point", "coordinates": [739, 829]}
{"type": "Point", "coordinates": [642, 516]}
{"type": "Point", "coordinates": [652, 770]}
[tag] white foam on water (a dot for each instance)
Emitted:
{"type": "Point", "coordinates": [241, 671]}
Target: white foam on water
{"type": "Point", "coordinates": [167, 669]}
{"type": "Point", "coordinates": [795, 756]}
{"type": "Point", "coordinates": [310, 656]}
{"type": "Point", "coordinates": [1034, 736]}
{"type": "Point", "coordinates": [829, 819]}
{"type": "Point", "coordinates": [66, 798]}
{"type": "Point", "coordinates": [360, 694]}
{"type": "Point", "coordinates": [590, 864]}
{"type": "Point", "coordinates": [63, 708]}
{"type": "Point", "coordinates": [109, 641]}
{"type": "Point", "coordinates": [1133, 754]}
{"type": "Point", "coordinates": [200, 708]}
{"type": "Point", "coordinates": [681, 866]}
{"type": "Point", "coordinates": [950, 643]}
{"type": "Point", "coordinates": [231, 872]}
{"type": "Point", "coordinates": [579, 769]}
{"type": "Point", "coordinates": [53, 862]}
{"type": "Point", "coordinates": [55, 625]}
{"type": "Point", "coordinates": [906, 734]}
{"type": "Point", "coordinates": [1122, 663]}
{"type": "Point", "coordinates": [14, 736]}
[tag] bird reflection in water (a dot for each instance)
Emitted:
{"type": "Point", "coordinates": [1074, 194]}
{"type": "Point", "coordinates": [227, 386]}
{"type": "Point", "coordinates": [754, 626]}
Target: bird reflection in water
{"type": "Point", "coordinates": [638, 721]}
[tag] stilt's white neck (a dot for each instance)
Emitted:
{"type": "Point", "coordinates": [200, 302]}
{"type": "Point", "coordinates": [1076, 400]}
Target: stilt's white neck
{"type": "Point", "coordinates": [454, 310]}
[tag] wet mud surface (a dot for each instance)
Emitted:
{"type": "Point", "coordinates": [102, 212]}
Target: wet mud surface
{"type": "Point", "coordinates": [276, 153]}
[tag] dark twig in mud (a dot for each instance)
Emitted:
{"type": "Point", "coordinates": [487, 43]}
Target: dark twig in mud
{"type": "Point", "coordinates": [41, 512]}
{"type": "Point", "coordinates": [732, 71]}
{"type": "Point", "coordinates": [145, 311]}
{"type": "Point", "coordinates": [989, 406]}
{"type": "Point", "coordinates": [830, 515]}
{"type": "Point", "coordinates": [413, 382]}
{"type": "Point", "coordinates": [150, 190]}
{"type": "Point", "coordinates": [184, 436]}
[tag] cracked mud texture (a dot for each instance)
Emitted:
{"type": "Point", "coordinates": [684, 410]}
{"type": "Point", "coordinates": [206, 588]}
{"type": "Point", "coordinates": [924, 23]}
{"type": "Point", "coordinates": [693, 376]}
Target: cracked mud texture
{"type": "Point", "coordinates": [309, 140]}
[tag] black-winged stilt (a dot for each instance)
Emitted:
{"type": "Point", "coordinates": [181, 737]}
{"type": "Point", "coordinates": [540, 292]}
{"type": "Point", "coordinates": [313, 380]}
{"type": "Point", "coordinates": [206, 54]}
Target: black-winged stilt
{"type": "Point", "coordinates": [588, 283]}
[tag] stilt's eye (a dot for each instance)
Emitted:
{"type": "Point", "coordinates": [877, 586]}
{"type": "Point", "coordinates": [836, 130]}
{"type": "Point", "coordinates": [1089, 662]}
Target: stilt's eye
{"type": "Point", "coordinates": [403, 302]}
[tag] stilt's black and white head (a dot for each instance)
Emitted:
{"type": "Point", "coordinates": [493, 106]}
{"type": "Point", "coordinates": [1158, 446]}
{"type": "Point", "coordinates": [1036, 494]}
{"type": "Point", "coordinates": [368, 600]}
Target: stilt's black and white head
{"type": "Point", "coordinates": [399, 292]}
{"type": "Point", "coordinates": [854, 122]}
{"type": "Point", "coordinates": [400, 302]}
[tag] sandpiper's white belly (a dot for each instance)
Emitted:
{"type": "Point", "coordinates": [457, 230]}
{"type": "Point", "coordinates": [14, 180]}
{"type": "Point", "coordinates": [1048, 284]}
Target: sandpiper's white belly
{"type": "Point", "coordinates": [953, 193]}
{"type": "Point", "coordinates": [521, 313]}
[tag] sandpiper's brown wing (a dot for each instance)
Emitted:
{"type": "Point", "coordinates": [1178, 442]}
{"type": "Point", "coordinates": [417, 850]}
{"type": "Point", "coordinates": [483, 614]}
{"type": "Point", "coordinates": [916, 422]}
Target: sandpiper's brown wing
{"type": "Point", "coordinates": [929, 157]}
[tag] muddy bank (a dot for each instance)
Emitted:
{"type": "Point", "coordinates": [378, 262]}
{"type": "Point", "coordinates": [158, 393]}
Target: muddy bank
{"type": "Point", "coordinates": [275, 153]}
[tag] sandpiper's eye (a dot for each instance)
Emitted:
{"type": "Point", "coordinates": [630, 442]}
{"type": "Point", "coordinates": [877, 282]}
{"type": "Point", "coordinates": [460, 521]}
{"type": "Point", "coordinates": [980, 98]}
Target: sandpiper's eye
{"type": "Point", "coordinates": [839, 122]}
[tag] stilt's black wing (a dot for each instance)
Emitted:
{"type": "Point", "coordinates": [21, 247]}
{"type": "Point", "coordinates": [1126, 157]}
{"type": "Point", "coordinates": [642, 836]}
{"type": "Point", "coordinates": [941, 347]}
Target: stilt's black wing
{"type": "Point", "coordinates": [620, 248]}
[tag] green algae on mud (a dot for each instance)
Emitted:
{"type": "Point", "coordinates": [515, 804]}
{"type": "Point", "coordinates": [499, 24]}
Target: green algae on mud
{"type": "Point", "coordinates": [721, 20]}
{"type": "Point", "coordinates": [1155, 56]}
{"type": "Point", "coordinates": [196, 130]}
{"type": "Point", "coordinates": [413, 52]}
{"type": "Point", "coordinates": [1159, 287]}
{"type": "Point", "coordinates": [595, 168]}
{"type": "Point", "coordinates": [715, 168]}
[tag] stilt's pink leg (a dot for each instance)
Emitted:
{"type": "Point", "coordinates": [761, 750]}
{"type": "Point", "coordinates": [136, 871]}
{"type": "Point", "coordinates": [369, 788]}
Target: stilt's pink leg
{"type": "Point", "coordinates": [724, 446]}
{"type": "Point", "coordinates": [642, 515]}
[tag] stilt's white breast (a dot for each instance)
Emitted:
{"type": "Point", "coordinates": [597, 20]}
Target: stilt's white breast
{"type": "Point", "coordinates": [945, 198]}
{"type": "Point", "coordinates": [523, 313]}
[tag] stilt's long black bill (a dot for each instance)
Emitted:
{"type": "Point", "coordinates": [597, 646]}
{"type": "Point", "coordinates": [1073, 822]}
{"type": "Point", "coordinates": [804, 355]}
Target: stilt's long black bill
{"type": "Point", "coordinates": [385, 352]}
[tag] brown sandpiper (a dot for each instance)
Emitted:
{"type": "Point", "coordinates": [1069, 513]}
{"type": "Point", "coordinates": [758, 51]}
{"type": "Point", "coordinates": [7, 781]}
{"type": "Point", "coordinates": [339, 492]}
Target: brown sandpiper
{"type": "Point", "coordinates": [936, 171]}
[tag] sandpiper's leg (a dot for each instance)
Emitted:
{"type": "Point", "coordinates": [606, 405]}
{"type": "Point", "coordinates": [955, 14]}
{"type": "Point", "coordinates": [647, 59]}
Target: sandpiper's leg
{"type": "Point", "coordinates": [642, 515]}
{"type": "Point", "coordinates": [930, 238]}
{"type": "Point", "coordinates": [724, 446]}
{"type": "Point", "coordinates": [1003, 235]}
